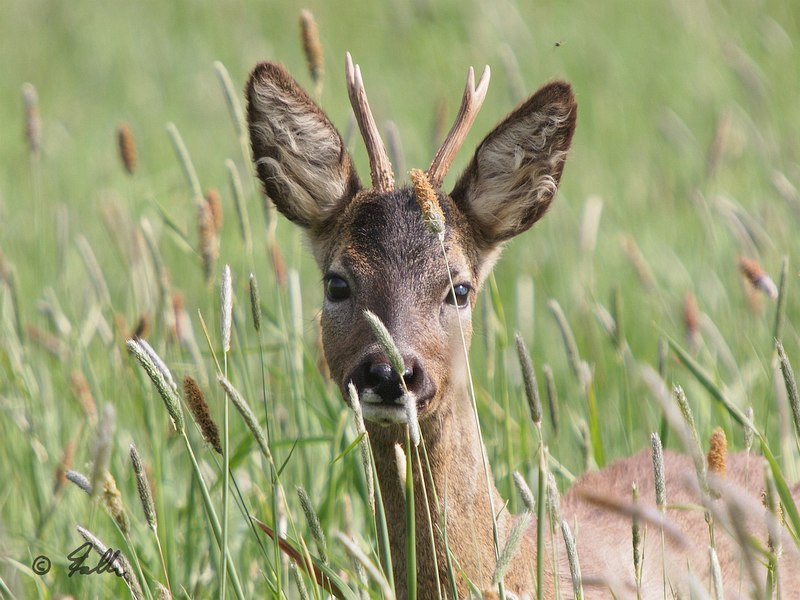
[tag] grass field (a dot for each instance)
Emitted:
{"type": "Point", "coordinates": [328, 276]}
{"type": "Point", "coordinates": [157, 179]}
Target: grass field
{"type": "Point", "coordinates": [686, 159]}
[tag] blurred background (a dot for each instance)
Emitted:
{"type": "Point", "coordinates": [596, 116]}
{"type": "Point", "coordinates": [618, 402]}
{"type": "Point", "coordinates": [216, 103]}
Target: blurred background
{"type": "Point", "coordinates": [686, 159]}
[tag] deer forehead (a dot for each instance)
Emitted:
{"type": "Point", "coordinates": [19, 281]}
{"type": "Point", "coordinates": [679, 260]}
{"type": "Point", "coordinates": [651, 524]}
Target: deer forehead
{"type": "Point", "coordinates": [381, 237]}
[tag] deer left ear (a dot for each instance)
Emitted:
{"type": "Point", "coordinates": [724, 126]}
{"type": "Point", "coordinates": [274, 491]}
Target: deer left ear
{"type": "Point", "coordinates": [514, 175]}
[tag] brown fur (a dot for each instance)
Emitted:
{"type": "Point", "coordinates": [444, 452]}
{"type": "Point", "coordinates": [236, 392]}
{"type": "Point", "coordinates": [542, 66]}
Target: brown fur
{"type": "Point", "coordinates": [378, 244]}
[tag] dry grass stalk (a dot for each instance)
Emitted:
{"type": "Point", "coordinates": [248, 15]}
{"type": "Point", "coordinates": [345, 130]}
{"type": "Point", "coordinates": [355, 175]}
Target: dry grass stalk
{"type": "Point", "coordinates": [691, 320]}
{"type": "Point", "coordinates": [127, 148]}
{"type": "Point", "coordinates": [312, 47]}
{"type": "Point", "coordinates": [552, 396]}
{"type": "Point", "coordinates": [639, 263]}
{"type": "Point", "coordinates": [439, 126]}
{"type": "Point", "coordinates": [756, 276]}
{"type": "Point", "coordinates": [33, 124]}
{"type": "Point", "coordinates": [94, 270]}
{"type": "Point", "coordinates": [112, 500]}
{"type": "Point", "coordinates": [83, 394]}
{"type": "Point", "coordinates": [278, 264]}
{"type": "Point", "coordinates": [142, 328]}
{"type": "Point", "coordinates": [209, 240]}
{"type": "Point", "coordinates": [428, 202]}
{"type": "Point", "coordinates": [202, 416]}
{"type": "Point", "coordinates": [394, 146]}
{"type": "Point", "coordinates": [101, 453]}
{"type": "Point", "coordinates": [143, 489]}
{"type": "Point", "coordinates": [47, 341]}
{"type": "Point", "coordinates": [239, 204]}
{"type": "Point", "coordinates": [64, 465]}
{"type": "Point", "coordinates": [214, 203]}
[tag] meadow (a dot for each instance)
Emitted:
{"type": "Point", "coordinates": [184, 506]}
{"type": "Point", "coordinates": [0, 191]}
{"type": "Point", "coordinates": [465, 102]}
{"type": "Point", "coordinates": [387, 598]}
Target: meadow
{"type": "Point", "coordinates": [671, 248]}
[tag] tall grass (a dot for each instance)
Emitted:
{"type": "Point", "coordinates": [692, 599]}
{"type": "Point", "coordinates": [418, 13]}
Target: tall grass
{"type": "Point", "coordinates": [691, 141]}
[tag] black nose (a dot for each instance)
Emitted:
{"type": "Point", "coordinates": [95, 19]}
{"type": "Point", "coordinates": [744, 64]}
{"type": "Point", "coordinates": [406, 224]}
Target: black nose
{"type": "Point", "coordinates": [383, 380]}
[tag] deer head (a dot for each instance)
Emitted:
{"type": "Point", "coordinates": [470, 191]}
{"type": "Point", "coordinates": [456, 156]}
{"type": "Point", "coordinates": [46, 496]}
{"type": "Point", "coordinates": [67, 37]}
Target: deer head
{"type": "Point", "coordinates": [371, 244]}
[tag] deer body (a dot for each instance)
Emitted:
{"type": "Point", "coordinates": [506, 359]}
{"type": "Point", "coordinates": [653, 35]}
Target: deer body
{"type": "Point", "coordinates": [377, 254]}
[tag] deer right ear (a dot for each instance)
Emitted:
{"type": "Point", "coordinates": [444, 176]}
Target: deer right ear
{"type": "Point", "coordinates": [514, 174]}
{"type": "Point", "coordinates": [298, 154]}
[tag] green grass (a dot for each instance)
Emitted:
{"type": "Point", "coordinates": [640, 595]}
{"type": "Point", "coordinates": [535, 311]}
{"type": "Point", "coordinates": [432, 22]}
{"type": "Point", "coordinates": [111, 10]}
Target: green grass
{"type": "Point", "coordinates": [653, 84]}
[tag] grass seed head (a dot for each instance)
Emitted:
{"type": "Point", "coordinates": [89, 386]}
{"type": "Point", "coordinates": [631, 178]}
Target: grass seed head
{"type": "Point", "coordinates": [553, 500]}
{"type": "Point", "coordinates": [165, 390]}
{"type": "Point", "coordinates": [33, 124]}
{"type": "Point", "coordinates": [209, 240]}
{"type": "Point", "coordinates": [658, 470]}
{"type": "Point", "coordinates": [214, 203]}
{"type": "Point", "coordinates": [143, 489]}
{"type": "Point", "coordinates": [313, 523]}
{"type": "Point", "coordinates": [790, 382]}
{"type": "Point", "coordinates": [127, 148]}
{"type": "Point", "coordinates": [226, 308]}
{"type": "Point", "coordinates": [529, 377]}
{"type": "Point", "coordinates": [749, 434]}
{"type": "Point", "coordinates": [525, 492]}
{"type": "Point", "coordinates": [112, 500]}
{"type": "Point", "coordinates": [718, 453]}
{"type": "Point", "coordinates": [386, 342]}
{"type": "Point", "coordinates": [119, 563]}
{"type": "Point", "coordinates": [80, 480]}
{"type": "Point", "coordinates": [248, 415]}
{"type": "Point", "coordinates": [255, 302]}
{"type": "Point", "coordinates": [83, 393]}
{"type": "Point", "coordinates": [64, 465]}
{"type": "Point", "coordinates": [410, 402]}
{"type": "Point", "coordinates": [202, 415]}
{"type": "Point", "coordinates": [572, 559]}
{"type": "Point", "coordinates": [756, 276]}
{"type": "Point", "coordinates": [101, 454]}
{"type": "Point", "coordinates": [428, 201]}
{"type": "Point", "coordinates": [512, 546]}
{"type": "Point", "coordinates": [312, 47]}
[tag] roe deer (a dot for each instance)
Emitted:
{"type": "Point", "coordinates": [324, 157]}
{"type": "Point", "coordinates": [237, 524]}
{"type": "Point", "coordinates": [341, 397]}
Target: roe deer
{"type": "Point", "coordinates": [377, 254]}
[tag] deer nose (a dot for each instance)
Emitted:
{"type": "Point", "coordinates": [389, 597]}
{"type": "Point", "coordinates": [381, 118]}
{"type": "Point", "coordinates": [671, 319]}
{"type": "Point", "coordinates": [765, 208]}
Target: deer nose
{"type": "Point", "coordinates": [380, 378]}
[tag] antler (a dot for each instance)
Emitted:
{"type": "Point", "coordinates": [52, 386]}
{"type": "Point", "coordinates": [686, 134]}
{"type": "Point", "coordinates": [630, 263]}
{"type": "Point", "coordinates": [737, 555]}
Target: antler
{"type": "Point", "coordinates": [380, 167]}
{"type": "Point", "coordinates": [470, 105]}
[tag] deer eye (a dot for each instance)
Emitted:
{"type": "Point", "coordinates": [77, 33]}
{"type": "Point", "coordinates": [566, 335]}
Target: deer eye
{"type": "Point", "coordinates": [336, 288]}
{"type": "Point", "coordinates": [458, 295]}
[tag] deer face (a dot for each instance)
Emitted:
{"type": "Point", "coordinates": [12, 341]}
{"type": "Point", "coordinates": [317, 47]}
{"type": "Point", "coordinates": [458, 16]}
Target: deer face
{"type": "Point", "coordinates": [373, 247]}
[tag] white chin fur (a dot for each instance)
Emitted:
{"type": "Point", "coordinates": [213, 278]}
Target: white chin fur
{"type": "Point", "coordinates": [375, 410]}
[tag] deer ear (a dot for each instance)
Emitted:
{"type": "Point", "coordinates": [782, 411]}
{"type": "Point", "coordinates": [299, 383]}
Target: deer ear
{"type": "Point", "coordinates": [514, 174]}
{"type": "Point", "coordinates": [298, 154]}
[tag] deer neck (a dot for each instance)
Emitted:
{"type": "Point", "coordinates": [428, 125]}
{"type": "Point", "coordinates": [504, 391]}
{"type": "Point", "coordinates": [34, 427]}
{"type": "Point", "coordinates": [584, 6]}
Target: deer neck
{"type": "Point", "coordinates": [454, 453]}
